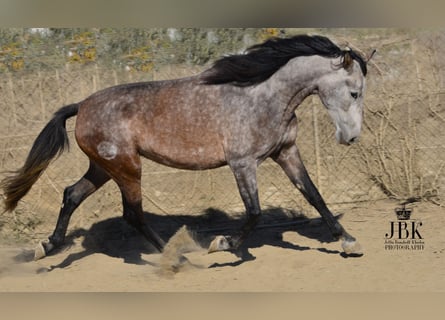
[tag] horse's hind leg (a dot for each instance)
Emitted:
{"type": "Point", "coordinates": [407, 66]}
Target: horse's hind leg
{"type": "Point", "coordinates": [289, 159]}
{"type": "Point", "coordinates": [128, 178]}
{"type": "Point", "coordinates": [134, 215]}
{"type": "Point", "coordinates": [73, 196]}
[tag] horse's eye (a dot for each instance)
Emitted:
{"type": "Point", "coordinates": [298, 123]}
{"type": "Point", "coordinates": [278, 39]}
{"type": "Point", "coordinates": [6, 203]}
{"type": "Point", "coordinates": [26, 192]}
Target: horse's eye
{"type": "Point", "coordinates": [354, 95]}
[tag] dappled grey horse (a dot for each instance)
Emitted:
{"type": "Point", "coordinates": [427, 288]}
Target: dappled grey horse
{"type": "Point", "coordinates": [238, 112]}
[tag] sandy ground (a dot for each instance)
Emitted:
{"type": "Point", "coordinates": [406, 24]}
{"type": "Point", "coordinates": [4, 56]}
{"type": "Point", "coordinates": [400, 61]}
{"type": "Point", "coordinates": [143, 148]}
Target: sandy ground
{"type": "Point", "coordinates": [296, 257]}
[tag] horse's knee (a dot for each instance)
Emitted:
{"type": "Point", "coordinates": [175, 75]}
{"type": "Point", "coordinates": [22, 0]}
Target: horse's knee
{"type": "Point", "coordinates": [71, 197]}
{"type": "Point", "coordinates": [75, 194]}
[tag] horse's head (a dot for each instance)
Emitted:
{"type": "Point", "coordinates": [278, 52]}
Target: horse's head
{"type": "Point", "coordinates": [341, 91]}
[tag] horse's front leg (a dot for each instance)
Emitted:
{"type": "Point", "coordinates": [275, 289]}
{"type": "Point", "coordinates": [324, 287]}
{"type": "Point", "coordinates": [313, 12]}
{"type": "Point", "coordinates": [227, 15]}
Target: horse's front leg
{"type": "Point", "coordinates": [289, 159]}
{"type": "Point", "coordinates": [245, 175]}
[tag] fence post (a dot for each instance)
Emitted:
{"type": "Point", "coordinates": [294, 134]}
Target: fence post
{"type": "Point", "coordinates": [97, 77]}
{"type": "Point", "coordinates": [116, 81]}
{"type": "Point", "coordinates": [316, 144]}
{"type": "Point", "coordinates": [42, 103]}
{"type": "Point", "coordinates": [59, 90]}
{"type": "Point", "coordinates": [13, 103]}
{"type": "Point", "coordinates": [94, 83]}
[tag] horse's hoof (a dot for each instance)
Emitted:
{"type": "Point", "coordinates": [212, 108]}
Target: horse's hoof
{"type": "Point", "coordinates": [220, 243]}
{"type": "Point", "coordinates": [42, 249]}
{"type": "Point", "coordinates": [352, 248]}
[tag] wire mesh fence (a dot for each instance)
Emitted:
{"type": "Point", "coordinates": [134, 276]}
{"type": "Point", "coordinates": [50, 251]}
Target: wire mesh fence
{"type": "Point", "coordinates": [401, 153]}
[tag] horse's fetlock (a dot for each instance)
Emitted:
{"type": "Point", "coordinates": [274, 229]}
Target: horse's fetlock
{"type": "Point", "coordinates": [56, 241]}
{"type": "Point", "coordinates": [71, 197]}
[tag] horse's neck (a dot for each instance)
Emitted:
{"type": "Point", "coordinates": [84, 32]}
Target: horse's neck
{"type": "Point", "coordinates": [298, 79]}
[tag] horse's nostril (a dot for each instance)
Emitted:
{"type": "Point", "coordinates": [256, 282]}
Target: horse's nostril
{"type": "Point", "coordinates": [355, 139]}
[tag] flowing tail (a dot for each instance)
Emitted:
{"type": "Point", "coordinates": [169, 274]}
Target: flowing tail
{"type": "Point", "coordinates": [50, 143]}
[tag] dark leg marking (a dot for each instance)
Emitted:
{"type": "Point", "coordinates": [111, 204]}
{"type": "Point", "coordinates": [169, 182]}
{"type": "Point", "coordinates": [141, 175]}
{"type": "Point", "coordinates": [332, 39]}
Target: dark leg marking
{"type": "Point", "coordinates": [73, 196]}
{"type": "Point", "coordinates": [289, 159]}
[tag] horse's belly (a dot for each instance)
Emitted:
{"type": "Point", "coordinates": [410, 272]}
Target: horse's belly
{"type": "Point", "coordinates": [204, 152]}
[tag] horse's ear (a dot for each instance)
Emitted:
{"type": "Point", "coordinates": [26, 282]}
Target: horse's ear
{"type": "Point", "coordinates": [371, 55]}
{"type": "Point", "coordinates": [347, 61]}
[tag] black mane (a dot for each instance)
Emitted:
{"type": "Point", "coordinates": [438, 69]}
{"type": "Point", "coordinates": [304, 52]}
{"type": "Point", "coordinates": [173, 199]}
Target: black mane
{"type": "Point", "coordinates": [262, 60]}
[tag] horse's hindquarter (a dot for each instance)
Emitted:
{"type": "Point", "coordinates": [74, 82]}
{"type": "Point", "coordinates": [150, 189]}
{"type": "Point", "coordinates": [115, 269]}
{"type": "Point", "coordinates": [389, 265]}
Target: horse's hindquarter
{"type": "Point", "coordinates": [175, 123]}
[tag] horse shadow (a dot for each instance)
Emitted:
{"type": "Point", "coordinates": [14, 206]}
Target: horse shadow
{"type": "Point", "coordinates": [115, 238]}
